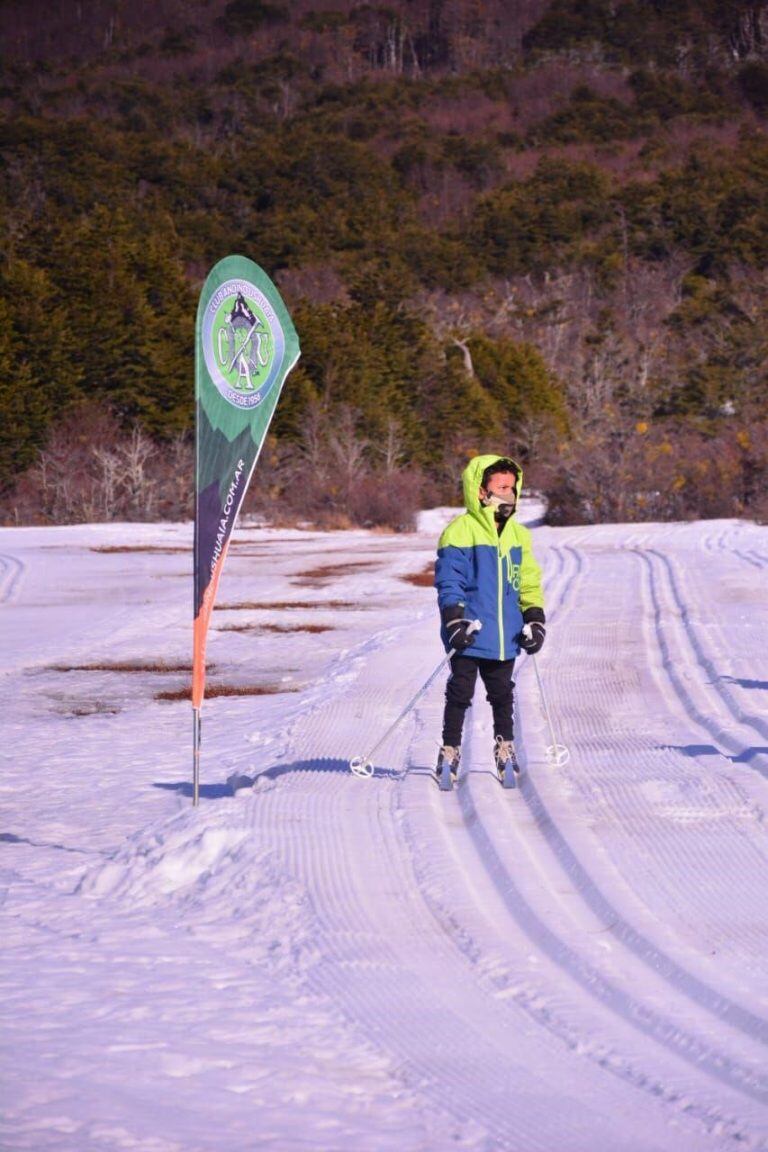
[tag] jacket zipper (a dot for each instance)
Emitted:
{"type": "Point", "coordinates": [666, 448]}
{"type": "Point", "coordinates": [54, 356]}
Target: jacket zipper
{"type": "Point", "coordinates": [501, 606]}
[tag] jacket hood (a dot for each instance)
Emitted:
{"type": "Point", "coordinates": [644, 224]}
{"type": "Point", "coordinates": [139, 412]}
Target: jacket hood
{"type": "Point", "coordinates": [472, 478]}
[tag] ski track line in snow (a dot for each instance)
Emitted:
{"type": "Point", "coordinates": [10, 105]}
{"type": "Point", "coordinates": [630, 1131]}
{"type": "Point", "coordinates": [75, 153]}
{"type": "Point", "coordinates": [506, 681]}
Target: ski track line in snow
{"type": "Point", "coordinates": [584, 1038]}
{"type": "Point", "coordinates": [717, 542]}
{"type": "Point", "coordinates": [624, 791]}
{"type": "Point", "coordinates": [11, 572]}
{"type": "Point", "coordinates": [725, 543]}
{"type": "Point", "coordinates": [745, 532]}
{"type": "Point", "coordinates": [655, 562]}
{"type": "Point", "coordinates": [752, 558]}
{"type": "Point", "coordinates": [352, 908]}
{"type": "Point", "coordinates": [680, 612]}
{"type": "Point", "coordinates": [687, 983]}
{"type": "Point", "coordinates": [721, 804]}
{"type": "Point", "coordinates": [678, 977]}
{"type": "Point", "coordinates": [365, 967]}
{"type": "Point", "coordinates": [722, 543]}
{"type": "Point", "coordinates": [623, 1004]}
{"type": "Point", "coordinates": [683, 981]}
{"type": "Point", "coordinates": [461, 1061]}
{"type": "Point", "coordinates": [693, 1050]}
{"type": "Point", "coordinates": [479, 818]}
{"type": "Point", "coordinates": [423, 1044]}
{"type": "Point", "coordinates": [704, 660]}
{"type": "Point", "coordinates": [103, 630]}
{"type": "Point", "coordinates": [576, 566]}
{"type": "Point", "coordinates": [568, 565]}
{"type": "Point", "coordinates": [689, 708]}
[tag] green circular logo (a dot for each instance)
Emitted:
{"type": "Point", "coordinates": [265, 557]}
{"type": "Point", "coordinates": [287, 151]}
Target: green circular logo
{"type": "Point", "coordinates": [243, 343]}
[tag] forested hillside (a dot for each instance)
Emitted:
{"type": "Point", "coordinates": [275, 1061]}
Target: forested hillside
{"type": "Point", "coordinates": [536, 227]}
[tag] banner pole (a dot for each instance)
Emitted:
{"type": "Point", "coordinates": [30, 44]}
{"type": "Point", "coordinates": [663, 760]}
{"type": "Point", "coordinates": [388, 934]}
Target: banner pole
{"type": "Point", "coordinates": [196, 757]}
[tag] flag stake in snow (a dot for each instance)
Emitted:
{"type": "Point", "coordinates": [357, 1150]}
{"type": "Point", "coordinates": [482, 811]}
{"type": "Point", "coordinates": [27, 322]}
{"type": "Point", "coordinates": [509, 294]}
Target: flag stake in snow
{"type": "Point", "coordinates": [245, 346]}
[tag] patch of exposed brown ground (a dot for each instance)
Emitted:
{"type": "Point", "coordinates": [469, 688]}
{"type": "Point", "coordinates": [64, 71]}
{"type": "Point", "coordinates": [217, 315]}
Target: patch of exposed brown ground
{"type": "Point", "coordinates": [274, 628]}
{"type": "Point", "coordinates": [214, 690]}
{"type": "Point", "coordinates": [423, 579]}
{"type": "Point", "coordinates": [122, 666]}
{"type": "Point", "coordinates": [253, 606]}
{"type": "Point", "coordinates": [160, 549]}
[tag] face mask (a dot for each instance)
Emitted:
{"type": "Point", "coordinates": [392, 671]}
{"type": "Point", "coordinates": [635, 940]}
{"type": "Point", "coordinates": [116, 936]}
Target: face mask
{"type": "Point", "coordinates": [502, 508]}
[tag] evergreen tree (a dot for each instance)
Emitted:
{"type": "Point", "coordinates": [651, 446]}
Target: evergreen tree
{"type": "Point", "coordinates": [24, 403]}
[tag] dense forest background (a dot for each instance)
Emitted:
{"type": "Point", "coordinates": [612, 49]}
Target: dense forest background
{"type": "Point", "coordinates": [539, 228]}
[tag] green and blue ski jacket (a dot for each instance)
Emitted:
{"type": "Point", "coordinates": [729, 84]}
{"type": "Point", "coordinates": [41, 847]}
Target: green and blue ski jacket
{"type": "Point", "coordinates": [493, 576]}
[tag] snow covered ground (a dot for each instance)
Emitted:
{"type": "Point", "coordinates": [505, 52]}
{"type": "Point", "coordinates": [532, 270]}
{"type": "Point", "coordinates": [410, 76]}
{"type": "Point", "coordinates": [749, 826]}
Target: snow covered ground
{"type": "Point", "coordinates": [320, 962]}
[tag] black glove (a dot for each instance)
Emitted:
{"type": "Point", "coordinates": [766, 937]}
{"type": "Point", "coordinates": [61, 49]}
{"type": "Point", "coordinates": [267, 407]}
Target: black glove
{"type": "Point", "coordinates": [459, 636]}
{"type": "Point", "coordinates": [532, 637]}
{"type": "Point", "coordinates": [457, 627]}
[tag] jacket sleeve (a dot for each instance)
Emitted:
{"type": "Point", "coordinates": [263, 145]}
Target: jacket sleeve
{"type": "Point", "coordinates": [531, 591]}
{"type": "Point", "coordinates": [452, 571]}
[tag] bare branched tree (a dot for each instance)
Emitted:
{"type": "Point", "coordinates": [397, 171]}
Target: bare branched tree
{"type": "Point", "coordinates": [392, 448]}
{"type": "Point", "coordinates": [138, 484]}
{"type": "Point", "coordinates": [348, 447]}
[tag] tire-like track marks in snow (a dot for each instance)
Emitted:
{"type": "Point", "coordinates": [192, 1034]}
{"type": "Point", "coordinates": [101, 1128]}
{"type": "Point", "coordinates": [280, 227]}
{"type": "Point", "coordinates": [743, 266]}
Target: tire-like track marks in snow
{"type": "Point", "coordinates": [452, 1042]}
{"type": "Point", "coordinates": [499, 962]}
{"type": "Point", "coordinates": [683, 981]}
{"type": "Point", "coordinates": [663, 585]}
{"type": "Point", "coordinates": [361, 902]}
{"type": "Point", "coordinates": [485, 823]}
{"type": "Point", "coordinates": [715, 1062]}
{"type": "Point", "coordinates": [445, 1033]}
{"type": "Point", "coordinates": [11, 574]}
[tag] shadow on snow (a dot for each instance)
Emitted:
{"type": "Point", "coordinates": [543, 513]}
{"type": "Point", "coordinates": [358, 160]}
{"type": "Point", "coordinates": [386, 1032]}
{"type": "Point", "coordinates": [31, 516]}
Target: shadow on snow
{"type": "Point", "coordinates": [241, 780]}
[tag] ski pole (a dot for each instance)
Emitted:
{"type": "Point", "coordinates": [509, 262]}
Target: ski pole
{"type": "Point", "coordinates": [363, 765]}
{"type": "Point", "coordinates": [557, 754]}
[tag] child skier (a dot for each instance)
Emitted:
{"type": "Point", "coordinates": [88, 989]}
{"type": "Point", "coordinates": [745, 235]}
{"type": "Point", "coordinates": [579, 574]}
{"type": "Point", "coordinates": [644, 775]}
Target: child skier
{"type": "Point", "coordinates": [486, 570]}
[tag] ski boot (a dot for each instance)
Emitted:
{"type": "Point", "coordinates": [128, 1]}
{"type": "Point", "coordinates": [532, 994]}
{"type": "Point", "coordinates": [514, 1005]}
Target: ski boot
{"type": "Point", "coordinates": [507, 766]}
{"type": "Point", "coordinates": [447, 768]}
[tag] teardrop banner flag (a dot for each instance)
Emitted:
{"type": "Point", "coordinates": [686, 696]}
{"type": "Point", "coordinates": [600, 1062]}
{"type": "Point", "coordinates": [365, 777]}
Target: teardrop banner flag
{"type": "Point", "coordinates": [245, 346]}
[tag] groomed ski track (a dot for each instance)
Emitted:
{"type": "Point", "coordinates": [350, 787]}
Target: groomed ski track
{"type": "Point", "coordinates": [480, 858]}
{"type": "Point", "coordinates": [575, 965]}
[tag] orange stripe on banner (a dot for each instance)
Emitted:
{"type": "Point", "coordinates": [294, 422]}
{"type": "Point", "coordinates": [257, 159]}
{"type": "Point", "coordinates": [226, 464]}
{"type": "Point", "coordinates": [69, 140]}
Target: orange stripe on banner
{"type": "Point", "coordinates": [200, 631]}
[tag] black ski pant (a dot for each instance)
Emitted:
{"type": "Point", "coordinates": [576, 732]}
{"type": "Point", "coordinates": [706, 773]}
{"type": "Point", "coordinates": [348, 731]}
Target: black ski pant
{"type": "Point", "coordinates": [499, 685]}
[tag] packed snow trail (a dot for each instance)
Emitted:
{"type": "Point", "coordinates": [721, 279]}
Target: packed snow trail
{"type": "Point", "coordinates": [331, 963]}
{"type": "Point", "coordinates": [11, 575]}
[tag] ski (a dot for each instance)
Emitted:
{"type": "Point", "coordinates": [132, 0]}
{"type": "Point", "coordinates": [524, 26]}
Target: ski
{"type": "Point", "coordinates": [508, 772]}
{"type": "Point", "coordinates": [508, 777]}
{"type": "Point", "coordinates": [445, 780]}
